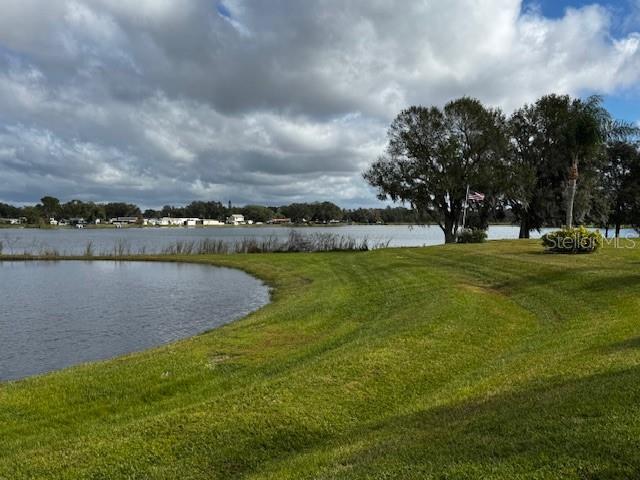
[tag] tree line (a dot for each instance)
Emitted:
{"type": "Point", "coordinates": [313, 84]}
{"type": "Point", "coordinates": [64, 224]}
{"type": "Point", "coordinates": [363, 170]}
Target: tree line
{"type": "Point", "coordinates": [316, 212]}
{"type": "Point", "coordinates": [558, 161]}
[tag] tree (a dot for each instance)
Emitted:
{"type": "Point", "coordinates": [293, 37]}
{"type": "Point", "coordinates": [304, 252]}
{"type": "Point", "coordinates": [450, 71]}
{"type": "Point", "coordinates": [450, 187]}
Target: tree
{"type": "Point", "coordinates": [325, 211]}
{"type": "Point", "coordinates": [583, 136]}
{"type": "Point", "coordinates": [528, 183]}
{"type": "Point", "coordinates": [198, 209]}
{"type": "Point", "coordinates": [9, 211]}
{"type": "Point", "coordinates": [297, 212]}
{"type": "Point", "coordinates": [120, 209]}
{"type": "Point", "coordinates": [32, 214]}
{"type": "Point", "coordinates": [73, 209]}
{"type": "Point", "coordinates": [257, 213]}
{"type": "Point", "coordinates": [552, 143]}
{"type": "Point", "coordinates": [621, 178]}
{"type": "Point", "coordinates": [432, 155]}
{"type": "Point", "coordinates": [588, 129]}
{"type": "Point", "coordinates": [50, 206]}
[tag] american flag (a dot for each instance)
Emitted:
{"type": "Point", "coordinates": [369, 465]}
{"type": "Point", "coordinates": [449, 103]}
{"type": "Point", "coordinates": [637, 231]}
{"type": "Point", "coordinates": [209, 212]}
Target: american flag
{"type": "Point", "coordinates": [476, 196]}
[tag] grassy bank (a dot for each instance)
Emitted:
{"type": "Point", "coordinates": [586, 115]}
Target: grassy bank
{"type": "Point", "coordinates": [461, 361]}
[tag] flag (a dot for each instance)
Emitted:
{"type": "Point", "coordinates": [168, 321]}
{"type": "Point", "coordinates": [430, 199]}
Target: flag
{"type": "Point", "coordinates": [476, 196]}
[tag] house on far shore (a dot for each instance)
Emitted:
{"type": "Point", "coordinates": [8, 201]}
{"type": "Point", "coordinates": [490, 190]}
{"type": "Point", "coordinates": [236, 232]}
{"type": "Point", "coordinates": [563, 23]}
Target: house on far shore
{"type": "Point", "coordinates": [279, 220]}
{"type": "Point", "coordinates": [208, 222]}
{"type": "Point", "coordinates": [12, 221]}
{"type": "Point", "coordinates": [53, 221]}
{"type": "Point", "coordinates": [236, 219]}
{"type": "Point", "coordinates": [175, 222]}
{"type": "Point", "coordinates": [124, 220]}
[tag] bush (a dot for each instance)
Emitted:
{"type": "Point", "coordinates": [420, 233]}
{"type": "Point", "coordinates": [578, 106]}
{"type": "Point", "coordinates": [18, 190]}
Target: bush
{"type": "Point", "coordinates": [472, 235]}
{"type": "Point", "coordinates": [573, 240]}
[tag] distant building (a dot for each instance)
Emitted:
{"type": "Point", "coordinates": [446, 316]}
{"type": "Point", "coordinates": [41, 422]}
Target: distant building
{"type": "Point", "coordinates": [279, 220]}
{"type": "Point", "coordinates": [77, 221]}
{"type": "Point", "coordinates": [177, 221]}
{"type": "Point", "coordinates": [236, 219]}
{"type": "Point", "coordinates": [207, 222]}
{"type": "Point", "coordinates": [124, 220]}
{"type": "Point", "coordinates": [53, 221]}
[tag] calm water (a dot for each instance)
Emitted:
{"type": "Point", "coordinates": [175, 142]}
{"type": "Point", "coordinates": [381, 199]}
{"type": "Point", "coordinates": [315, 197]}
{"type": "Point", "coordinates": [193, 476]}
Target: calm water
{"type": "Point", "coordinates": [56, 314]}
{"type": "Point", "coordinates": [154, 240]}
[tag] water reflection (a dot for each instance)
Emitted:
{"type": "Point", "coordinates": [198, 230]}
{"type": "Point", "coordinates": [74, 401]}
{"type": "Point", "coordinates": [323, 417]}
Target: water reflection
{"type": "Point", "coordinates": [56, 314]}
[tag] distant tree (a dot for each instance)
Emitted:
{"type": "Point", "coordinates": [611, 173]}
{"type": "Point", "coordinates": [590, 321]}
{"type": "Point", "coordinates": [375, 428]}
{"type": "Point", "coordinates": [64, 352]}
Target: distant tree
{"type": "Point", "coordinates": [174, 212]}
{"type": "Point", "coordinates": [433, 154]}
{"type": "Point", "coordinates": [120, 209]}
{"type": "Point", "coordinates": [257, 213]}
{"type": "Point", "coordinates": [199, 209]}
{"type": "Point", "coordinates": [94, 211]}
{"type": "Point", "coordinates": [297, 212]}
{"type": "Point", "coordinates": [33, 214]}
{"type": "Point", "coordinates": [363, 215]}
{"type": "Point", "coordinates": [325, 211]}
{"type": "Point", "coordinates": [10, 211]}
{"type": "Point", "coordinates": [73, 209]}
{"type": "Point", "coordinates": [50, 206]}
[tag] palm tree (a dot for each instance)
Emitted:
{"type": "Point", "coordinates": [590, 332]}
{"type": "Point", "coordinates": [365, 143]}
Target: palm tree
{"type": "Point", "coordinates": [589, 128]}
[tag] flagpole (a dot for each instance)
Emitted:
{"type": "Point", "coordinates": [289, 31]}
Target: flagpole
{"type": "Point", "coordinates": [466, 202]}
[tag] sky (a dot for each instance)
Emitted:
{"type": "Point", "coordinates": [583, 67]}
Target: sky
{"type": "Point", "coordinates": [166, 101]}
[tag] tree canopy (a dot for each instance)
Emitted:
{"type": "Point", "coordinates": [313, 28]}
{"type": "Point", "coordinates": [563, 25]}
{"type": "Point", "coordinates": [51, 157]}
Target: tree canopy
{"type": "Point", "coordinates": [433, 155]}
{"type": "Point", "coordinates": [544, 165]}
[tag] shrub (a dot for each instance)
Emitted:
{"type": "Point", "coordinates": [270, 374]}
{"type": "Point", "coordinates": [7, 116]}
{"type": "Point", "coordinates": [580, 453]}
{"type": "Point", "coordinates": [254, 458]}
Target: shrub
{"type": "Point", "coordinates": [573, 240]}
{"type": "Point", "coordinates": [472, 235]}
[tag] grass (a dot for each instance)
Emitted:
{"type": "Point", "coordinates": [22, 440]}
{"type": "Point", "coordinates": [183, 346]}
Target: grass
{"type": "Point", "coordinates": [491, 361]}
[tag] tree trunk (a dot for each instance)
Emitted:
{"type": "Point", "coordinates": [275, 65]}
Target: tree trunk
{"type": "Point", "coordinates": [524, 228]}
{"type": "Point", "coordinates": [618, 228]}
{"type": "Point", "coordinates": [450, 231]}
{"type": "Point", "coordinates": [573, 183]}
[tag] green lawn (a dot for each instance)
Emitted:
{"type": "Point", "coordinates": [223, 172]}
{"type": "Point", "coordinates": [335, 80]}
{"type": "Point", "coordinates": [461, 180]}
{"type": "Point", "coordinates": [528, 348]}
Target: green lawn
{"type": "Point", "coordinates": [464, 361]}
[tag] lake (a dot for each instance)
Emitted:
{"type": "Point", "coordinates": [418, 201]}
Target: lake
{"type": "Point", "coordinates": [57, 314]}
{"type": "Point", "coordinates": [154, 240]}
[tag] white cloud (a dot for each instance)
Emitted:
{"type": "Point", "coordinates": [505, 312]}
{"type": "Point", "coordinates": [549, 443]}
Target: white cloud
{"type": "Point", "coordinates": [166, 100]}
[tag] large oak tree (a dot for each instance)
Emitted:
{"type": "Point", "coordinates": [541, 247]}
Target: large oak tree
{"type": "Point", "coordinates": [433, 154]}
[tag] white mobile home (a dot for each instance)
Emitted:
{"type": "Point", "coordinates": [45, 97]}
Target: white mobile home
{"type": "Point", "coordinates": [236, 219]}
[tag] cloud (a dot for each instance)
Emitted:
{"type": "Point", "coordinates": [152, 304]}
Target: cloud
{"type": "Point", "coordinates": [164, 101]}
